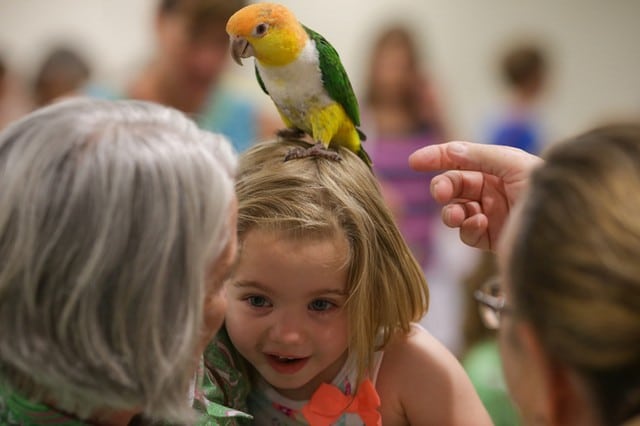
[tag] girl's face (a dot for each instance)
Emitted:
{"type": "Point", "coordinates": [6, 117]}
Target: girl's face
{"type": "Point", "coordinates": [286, 312]}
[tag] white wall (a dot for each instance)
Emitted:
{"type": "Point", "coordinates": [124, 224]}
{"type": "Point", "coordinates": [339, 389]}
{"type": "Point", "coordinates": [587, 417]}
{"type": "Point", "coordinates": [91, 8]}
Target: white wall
{"type": "Point", "coordinates": [595, 46]}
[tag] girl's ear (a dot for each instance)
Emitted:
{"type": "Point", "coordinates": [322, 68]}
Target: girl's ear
{"type": "Point", "coordinates": [560, 396]}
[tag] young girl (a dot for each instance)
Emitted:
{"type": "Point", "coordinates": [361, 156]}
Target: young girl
{"type": "Point", "coordinates": [323, 299]}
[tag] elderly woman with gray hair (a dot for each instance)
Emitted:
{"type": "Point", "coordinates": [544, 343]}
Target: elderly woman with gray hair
{"type": "Point", "coordinates": [117, 228]}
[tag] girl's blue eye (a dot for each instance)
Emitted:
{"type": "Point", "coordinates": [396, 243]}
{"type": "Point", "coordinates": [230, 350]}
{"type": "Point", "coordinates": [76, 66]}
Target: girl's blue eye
{"type": "Point", "coordinates": [258, 301]}
{"type": "Point", "coordinates": [320, 305]}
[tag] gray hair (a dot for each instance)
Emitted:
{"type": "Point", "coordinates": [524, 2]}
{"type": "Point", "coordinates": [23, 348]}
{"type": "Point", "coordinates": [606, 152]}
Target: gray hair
{"type": "Point", "coordinates": [110, 214]}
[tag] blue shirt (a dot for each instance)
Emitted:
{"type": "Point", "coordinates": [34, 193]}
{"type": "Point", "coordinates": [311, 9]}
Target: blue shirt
{"type": "Point", "coordinates": [224, 112]}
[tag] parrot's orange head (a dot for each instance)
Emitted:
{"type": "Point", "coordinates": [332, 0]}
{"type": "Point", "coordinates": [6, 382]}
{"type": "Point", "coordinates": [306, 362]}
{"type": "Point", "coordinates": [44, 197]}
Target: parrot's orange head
{"type": "Point", "coordinates": [268, 31]}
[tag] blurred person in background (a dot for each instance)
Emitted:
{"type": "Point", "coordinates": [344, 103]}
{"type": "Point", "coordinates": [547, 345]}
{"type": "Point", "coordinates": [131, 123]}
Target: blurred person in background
{"type": "Point", "coordinates": [524, 72]}
{"type": "Point", "coordinates": [13, 99]}
{"type": "Point", "coordinates": [480, 355]}
{"type": "Point", "coordinates": [192, 52]}
{"type": "Point", "coordinates": [3, 74]}
{"type": "Point", "coordinates": [63, 72]}
{"type": "Point", "coordinates": [401, 112]}
{"type": "Point", "coordinates": [400, 100]}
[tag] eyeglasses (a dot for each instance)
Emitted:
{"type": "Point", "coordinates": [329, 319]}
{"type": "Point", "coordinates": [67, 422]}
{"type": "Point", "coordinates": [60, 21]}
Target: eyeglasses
{"type": "Point", "coordinates": [491, 303]}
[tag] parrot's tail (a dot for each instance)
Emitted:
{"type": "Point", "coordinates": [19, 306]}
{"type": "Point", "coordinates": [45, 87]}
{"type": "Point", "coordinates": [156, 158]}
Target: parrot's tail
{"type": "Point", "coordinates": [364, 156]}
{"type": "Point", "coordinates": [361, 152]}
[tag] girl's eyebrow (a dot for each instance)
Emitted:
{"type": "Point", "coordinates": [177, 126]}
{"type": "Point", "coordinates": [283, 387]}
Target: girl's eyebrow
{"type": "Point", "coordinates": [250, 284]}
{"type": "Point", "coordinates": [322, 292]}
{"type": "Point", "coordinates": [330, 291]}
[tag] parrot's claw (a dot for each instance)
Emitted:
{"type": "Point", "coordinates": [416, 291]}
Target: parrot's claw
{"type": "Point", "coordinates": [290, 133]}
{"type": "Point", "coordinates": [317, 150]}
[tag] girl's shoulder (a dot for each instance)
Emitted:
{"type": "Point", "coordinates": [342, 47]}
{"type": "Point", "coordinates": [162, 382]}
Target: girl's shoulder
{"type": "Point", "coordinates": [421, 382]}
{"type": "Point", "coordinates": [416, 353]}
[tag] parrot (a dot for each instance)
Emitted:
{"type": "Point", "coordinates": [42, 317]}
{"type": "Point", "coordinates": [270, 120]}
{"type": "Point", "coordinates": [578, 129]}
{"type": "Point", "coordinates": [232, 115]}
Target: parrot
{"type": "Point", "coordinates": [304, 76]}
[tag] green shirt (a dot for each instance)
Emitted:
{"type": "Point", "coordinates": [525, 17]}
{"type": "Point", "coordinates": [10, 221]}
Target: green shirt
{"type": "Point", "coordinates": [484, 367]}
{"type": "Point", "coordinates": [18, 411]}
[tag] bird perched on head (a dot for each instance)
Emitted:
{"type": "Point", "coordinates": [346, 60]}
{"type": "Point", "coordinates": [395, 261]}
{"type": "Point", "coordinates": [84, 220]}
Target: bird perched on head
{"type": "Point", "coordinates": [303, 75]}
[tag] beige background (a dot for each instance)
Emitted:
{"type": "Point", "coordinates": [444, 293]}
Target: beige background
{"type": "Point", "coordinates": [594, 43]}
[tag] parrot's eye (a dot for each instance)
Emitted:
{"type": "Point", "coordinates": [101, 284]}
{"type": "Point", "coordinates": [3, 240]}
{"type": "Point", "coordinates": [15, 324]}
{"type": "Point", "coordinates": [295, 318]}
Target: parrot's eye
{"type": "Point", "coordinates": [260, 30]}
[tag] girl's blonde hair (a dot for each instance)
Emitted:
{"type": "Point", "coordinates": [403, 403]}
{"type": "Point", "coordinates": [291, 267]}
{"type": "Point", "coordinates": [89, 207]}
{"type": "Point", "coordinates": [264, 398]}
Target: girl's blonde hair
{"type": "Point", "coordinates": [111, 213]}
{"type": "Point", "coordinates": [316, 197]}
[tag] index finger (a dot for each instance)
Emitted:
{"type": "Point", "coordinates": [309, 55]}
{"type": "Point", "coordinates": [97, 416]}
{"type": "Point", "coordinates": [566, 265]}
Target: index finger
{"type": "Point", "coordinates": [496, 160]}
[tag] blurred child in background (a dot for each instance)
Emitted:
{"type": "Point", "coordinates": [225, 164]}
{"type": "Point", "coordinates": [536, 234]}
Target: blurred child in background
{"type": "Point", "coordinates": [402, 112]}
{"type": "Point", "coordinates": [63, 72]}
{"type": "Point", "coordinates": [524, 70]}
{"type": "Point", "coordinates": [13, 99]}
{"type": "Point", "coordinates": [192, 52]}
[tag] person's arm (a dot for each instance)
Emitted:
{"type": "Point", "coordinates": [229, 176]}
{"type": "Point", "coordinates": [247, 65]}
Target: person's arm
{"type": "Point", "coordinates": [426, 385]}
{"type": "Point", "coordinates": [478, 188]}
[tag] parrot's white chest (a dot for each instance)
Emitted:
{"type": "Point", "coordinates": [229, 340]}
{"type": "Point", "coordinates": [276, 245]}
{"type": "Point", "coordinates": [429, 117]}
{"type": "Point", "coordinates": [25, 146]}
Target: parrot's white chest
{"type": "Point", "coordinates": [296, 88]}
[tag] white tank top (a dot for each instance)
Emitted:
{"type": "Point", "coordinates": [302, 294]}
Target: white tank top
{"type": "Point", "coordinates": [269, 408]}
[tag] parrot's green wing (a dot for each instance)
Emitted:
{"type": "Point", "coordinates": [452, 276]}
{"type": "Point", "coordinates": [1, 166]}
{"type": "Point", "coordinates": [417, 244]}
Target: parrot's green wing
{"type": "Point", "coordinates": [260, 82]}
{"type": "Point", "coordinates": [334, 77]}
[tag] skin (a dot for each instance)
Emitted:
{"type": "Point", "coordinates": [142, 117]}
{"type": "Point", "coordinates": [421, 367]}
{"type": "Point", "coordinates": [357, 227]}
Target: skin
{"type": "Point", "coordinates": [186, 67]}
{"type": "Point", "coordinates": [421, 383]}
{"type": "Point", "coordinates": [271, 312]}
{"type": "Point", "coordinates": [479, 187]}
{"type": "Point", "coordinates": [288, 301]}
{"type": "Point", "coordinates": [513, 338]}
{"type": "Point", "coordinates": [395, 80]}
{"type": "Point", "coordinates": [215, 303]}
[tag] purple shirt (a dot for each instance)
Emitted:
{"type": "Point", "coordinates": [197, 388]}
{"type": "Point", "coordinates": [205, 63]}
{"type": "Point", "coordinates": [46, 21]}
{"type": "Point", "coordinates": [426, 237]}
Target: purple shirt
{"type": "Point", "coordinates": [410, 188]}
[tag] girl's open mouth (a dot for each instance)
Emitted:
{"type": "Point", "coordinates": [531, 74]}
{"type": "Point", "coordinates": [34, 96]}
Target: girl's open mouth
{"type": "Point", "coordinates": [285, 364]}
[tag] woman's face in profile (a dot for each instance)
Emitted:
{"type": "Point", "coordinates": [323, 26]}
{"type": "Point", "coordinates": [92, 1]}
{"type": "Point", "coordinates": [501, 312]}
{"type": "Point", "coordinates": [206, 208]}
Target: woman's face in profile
{"type": "Point", "coordinates": [215, 303]}
{"type": "Point", "coordinates": [522, 369]}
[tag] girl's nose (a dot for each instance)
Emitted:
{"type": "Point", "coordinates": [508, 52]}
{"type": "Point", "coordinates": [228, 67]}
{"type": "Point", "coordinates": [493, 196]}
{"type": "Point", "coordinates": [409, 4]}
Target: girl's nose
{"type": "Point", "coordinates": [288, 328]}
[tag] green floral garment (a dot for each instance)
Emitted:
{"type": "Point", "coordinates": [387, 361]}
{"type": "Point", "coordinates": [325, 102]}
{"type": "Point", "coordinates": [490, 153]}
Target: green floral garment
{"type": "Point", "coordinates": [223, 383]}
{"type": "Point", "coordinates": [17, 411]}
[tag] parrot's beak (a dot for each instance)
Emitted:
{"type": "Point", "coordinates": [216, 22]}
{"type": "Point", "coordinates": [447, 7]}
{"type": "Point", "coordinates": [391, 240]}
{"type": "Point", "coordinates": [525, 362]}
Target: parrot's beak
{"type": "Point", "coordinates": [240, 48]}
